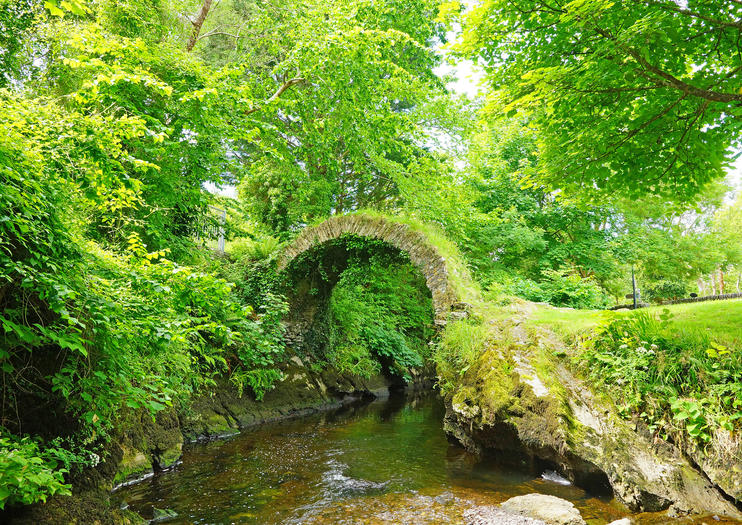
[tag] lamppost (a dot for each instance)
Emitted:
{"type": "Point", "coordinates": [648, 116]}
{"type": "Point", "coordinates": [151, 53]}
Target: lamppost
{"type": "Point", "coordinates": [633, 285]}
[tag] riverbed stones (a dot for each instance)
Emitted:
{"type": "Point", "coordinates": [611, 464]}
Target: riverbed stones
{"type": "Point", "coordinates": [446, 498]}
{"type": "Point", "coordinates": [548, 509]}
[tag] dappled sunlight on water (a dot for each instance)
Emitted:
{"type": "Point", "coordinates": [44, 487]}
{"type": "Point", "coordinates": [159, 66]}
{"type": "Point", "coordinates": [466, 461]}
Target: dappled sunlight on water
{"type": "Point", "coordinates": [386, 462]}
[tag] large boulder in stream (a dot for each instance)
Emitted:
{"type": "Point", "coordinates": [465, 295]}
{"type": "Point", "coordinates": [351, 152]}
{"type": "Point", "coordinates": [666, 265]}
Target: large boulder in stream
{"type": "Point", "coordinates": [520, 404]}
{"type": "Point", "coordinates": [549, 509]}
{"type": "Point", "coordinates": [491, 515]}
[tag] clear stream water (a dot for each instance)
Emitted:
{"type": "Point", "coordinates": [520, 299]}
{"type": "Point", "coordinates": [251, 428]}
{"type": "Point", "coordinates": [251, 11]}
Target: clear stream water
{"type": "Point", "coordinates": [384, 462]}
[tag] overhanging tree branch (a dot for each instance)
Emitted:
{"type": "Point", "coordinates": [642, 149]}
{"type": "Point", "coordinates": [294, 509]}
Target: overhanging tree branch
{"type": "Point", "coordinates": [286, 85]}
{"type": "Point", "coordinates": [666, 78]}
{"type": "Point", "coordinates": [671, 6]}
{"type": "Point", "coordinates": [198, 24]}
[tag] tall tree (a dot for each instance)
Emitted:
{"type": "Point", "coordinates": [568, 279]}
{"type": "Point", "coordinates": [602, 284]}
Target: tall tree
{"type": "Point", "coordinates": [16, 16]}
{"type": "Point", "coordinates": [349, 90]}
{"type": "Point", "coordinates": [637, 96]}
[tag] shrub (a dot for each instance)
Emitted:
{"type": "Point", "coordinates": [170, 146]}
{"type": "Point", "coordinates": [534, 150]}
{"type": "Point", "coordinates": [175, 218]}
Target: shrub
{"type": "Point", "coordinates": [92, 319]}
{"type": "Point", "coordinates": [260, 347]}
{"type": "Point", "coordinates": [567, 288]}
{"type": "Point", "coordinates": [380, 312]}
{"type": "Point", "coordinates": [528, 289]}
{"type": "Point", "coordinates": [255, 250]}
{"type": "Point", "coordinates": [562, 287]}
{"type": "Point", "coordinates": [28, 474]}
{"type": "Point", "coordinates": [675, 381]}
{"type": "Point", "coordinates": [354, 358]}
{"type": "Point", "coordinates": [460, 344]}
{"type": "Point", "coordinates": [666, 290]}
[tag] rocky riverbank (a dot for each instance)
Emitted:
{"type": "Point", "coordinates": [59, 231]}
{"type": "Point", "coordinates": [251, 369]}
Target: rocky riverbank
{"type": "Point", "coordinates": [518, 402]}
{"type": "Point", "coordinates": [145, 445]}
{"type": "Point", "coordinates": [521, 404]}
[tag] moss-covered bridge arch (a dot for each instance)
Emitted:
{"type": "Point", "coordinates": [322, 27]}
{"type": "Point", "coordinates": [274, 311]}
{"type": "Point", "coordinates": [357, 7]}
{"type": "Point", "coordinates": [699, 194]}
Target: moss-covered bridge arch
{"type": "Point", "coordinates": [439, 271]}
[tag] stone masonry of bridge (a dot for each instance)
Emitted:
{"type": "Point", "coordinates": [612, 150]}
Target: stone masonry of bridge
{"type": "Point", "coordinates": [421, 253]}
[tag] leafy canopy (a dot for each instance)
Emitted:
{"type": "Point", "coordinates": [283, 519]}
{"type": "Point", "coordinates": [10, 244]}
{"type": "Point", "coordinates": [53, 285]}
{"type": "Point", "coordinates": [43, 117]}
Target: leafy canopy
{"type": "Point", "coordinates": [635, 96]}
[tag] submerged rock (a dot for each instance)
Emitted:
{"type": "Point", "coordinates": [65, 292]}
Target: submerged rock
{"type": "Point", "coordinates": [549, 509]}
{"type": "Point", "coordinates": [162, 515]}
{"type": "Point", "coordinates": [445, 498]}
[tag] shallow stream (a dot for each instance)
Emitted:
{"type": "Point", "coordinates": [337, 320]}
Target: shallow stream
{"type": "Point", "coordinates": [384, 462]}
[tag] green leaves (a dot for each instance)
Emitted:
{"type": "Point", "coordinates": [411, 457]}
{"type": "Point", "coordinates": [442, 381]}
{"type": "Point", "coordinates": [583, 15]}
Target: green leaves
{"type": "Point", "coordinates": [690, 413]}
{"type": "Point", "coordinates": [60, 9]}
{"type": "Point", "coordinates": [106, 302]}
{"type": "Point", "coordinates": [627, 98]}
{"type": "Point", "coordinates": [380, 315]}
{"type": "Point", "coordinates": [675, 380]}
{"type": "Point", "coordinates": [340, 138]}
{"type": "Point", "coordinates": [717, 351]}
{"type": "Point", "coordinates": [27, 473]}
{"type": "Point", "coordinates": [93, 319]}
{"type": "Point", "coordinates": [53, 8]}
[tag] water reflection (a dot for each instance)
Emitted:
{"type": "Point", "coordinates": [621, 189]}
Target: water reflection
{"type": "Point", "coordinates": [384, 462]}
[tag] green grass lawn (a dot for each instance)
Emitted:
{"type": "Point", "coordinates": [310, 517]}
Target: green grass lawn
{"type": "Point", "coordinates": [722, 320]}
{"type": "Point", "coordinates": [566, 321]}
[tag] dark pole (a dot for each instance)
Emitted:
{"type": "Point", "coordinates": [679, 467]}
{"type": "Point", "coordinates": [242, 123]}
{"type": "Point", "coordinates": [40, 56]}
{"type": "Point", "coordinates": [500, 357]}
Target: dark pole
{"type": "Point", "coordinates": [633, 285]}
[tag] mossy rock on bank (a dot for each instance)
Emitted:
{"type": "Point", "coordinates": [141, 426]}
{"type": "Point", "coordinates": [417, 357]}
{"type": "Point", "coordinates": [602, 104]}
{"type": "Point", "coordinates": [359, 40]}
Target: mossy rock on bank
{"type": "Point", "coordinates": [567, 428]}
{"type": "Point", "coordinates": [720, 460]}
{"type": "Point", "coordinates": [223, 411]}
{"type": "Point", "coordinates": [496, 414]}
{"type": "Point", "coordinates": [147, 443]}
{"type": "Point", "coordinates": [89, 508]}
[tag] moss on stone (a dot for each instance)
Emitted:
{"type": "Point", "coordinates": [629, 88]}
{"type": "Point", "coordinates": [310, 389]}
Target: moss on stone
{"type": "Point", "coordinates": [547, 415]}
{"type": "Point", "coordinates": [446, 274]}
{"type": "Point", "coordinates": [134, 463]}
{"type": "Point", "coordinates": [484, 392]}
{"type": "Point", "coordinates": [90, 508]}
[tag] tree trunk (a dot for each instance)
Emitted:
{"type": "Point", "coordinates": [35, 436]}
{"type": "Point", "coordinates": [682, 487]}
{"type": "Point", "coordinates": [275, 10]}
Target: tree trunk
{"type": "Point", "coordinates": [721, 280]}
{"type": "Point", "coordinates": [198, 23]}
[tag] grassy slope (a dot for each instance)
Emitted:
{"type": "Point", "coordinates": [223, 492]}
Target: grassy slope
{"type": "Point", "coordinates": [721, 319]}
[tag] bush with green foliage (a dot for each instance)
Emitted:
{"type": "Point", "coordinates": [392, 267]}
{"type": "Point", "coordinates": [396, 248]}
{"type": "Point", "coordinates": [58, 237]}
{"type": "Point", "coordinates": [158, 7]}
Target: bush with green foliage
{"type": "Point", "coordinates": [568, 288]}
{"type": "Point", "coordinates": [557, 287]}
{"type": "Point", "coordinates": [676, 381]}
{"type": "Point", "coordinates": [28, 473]}
{"type": "Point", "coordinates": [525, 288]}
{"type": "Point", "coordinates": [91, 319]}
{"type": "Point", "coordinates": [261, 347]}
{"type": "Point", "coordinates": [380, 317]}
{"type": "Point", "coordinates": [665, 290]}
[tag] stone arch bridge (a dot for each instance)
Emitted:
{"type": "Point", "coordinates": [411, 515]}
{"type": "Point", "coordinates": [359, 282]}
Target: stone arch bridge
{"type": "Point", "coordinates": [435, 268]}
